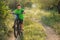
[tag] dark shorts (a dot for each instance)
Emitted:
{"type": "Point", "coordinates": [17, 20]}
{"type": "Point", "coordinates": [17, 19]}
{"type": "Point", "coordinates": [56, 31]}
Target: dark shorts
{"type": "Point", "coordinates": [20, 21]}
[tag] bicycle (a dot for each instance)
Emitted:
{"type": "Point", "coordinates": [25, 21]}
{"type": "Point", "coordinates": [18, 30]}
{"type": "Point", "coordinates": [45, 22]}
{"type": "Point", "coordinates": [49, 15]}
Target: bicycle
{"type": "Point", "coordinates": [17, 30]}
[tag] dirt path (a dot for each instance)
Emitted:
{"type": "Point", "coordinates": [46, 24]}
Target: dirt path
{"type": "Point", "coordinates": [11, 37]}
{"type": "Point", "coordinates": [51, 35]}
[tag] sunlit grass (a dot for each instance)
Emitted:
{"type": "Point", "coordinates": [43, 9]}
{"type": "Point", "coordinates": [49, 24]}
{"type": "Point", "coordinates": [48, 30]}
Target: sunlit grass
{"type": "Point", "coordinates": [33, 30]}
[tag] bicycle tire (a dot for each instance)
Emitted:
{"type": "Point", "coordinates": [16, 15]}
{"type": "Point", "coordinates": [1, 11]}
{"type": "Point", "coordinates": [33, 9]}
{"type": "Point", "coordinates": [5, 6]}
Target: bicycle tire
{"type": "Point", "coordinates": [20, 33]}
{"type": "Point", "coordinates": [15, 29]}
{"type": "Point", "coordinates": [15, 33]}
{"type": "Point", "coordinates": [18, 30]}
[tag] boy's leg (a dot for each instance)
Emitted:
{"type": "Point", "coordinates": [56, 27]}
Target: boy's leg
{"type": "Point", "coordinates": [21, 25]}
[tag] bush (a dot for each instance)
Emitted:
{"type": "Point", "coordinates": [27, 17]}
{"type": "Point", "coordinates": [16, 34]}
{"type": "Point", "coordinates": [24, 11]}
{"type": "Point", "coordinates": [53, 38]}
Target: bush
{"type": "Point", "coordinates": [56, 26]}
{"type": "Point", "coordinates": [5, 21]}
{"type": "Point", "coordinates": [53, 21]}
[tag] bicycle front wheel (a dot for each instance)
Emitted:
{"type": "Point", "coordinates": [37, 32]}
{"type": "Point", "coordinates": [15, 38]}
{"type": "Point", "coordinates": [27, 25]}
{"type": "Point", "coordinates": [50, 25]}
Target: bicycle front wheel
{"type": "Point", "coordinates": [15, 32]}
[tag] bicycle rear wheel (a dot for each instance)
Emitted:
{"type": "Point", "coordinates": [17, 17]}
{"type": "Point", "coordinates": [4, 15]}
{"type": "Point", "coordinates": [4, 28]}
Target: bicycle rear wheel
{"type": "Point", "coordinates": [21, 36]}
{"type": "Point", "coordinates": [20, 33]}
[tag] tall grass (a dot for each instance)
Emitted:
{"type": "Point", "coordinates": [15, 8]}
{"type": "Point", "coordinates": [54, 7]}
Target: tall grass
{"type": "Point", "coordinates": [32, 29]}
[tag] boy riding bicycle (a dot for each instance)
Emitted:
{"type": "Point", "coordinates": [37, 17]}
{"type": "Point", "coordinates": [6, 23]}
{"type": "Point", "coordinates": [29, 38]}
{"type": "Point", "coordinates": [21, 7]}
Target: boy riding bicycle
{"type": "Point", "coordinates": [19, 16]}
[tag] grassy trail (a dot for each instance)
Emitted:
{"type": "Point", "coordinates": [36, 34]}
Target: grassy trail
{"type": "Point", "coordinates": [36, 29]}
{"type": "Point", "coordinates": [51, 34]}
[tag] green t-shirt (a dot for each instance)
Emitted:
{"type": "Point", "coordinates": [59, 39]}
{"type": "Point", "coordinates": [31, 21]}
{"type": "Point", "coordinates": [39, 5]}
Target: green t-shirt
{"type": "Point", "coordinates": [19, 13]}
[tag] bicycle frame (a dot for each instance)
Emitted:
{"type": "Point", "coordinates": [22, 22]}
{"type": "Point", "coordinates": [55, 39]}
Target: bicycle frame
{"type": "Point", "coordinates": [17, 29]}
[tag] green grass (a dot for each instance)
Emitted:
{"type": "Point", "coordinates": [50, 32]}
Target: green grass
{"type": "Point", "coordinates": [32, 29]}
{"type": "Point", "coordinates": [34, 32]}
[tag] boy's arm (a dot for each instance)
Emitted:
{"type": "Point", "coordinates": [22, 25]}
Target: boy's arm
{"type": "Point", "coordinates": [13, 12]}
{"type": "Point", "coordinates": [23, 11]}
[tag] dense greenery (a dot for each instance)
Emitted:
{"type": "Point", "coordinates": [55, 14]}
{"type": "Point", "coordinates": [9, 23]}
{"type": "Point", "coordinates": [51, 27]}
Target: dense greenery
{"type": "Point", "coordinates": [32, 29]}
{"type": "Point", "coordinates": [53, 20]}
{"type": "Point", "coordinates": [5, 18]}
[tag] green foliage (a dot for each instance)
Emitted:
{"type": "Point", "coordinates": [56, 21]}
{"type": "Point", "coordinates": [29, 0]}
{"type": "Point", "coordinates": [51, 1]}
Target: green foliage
{"type": "Point", "coordinates": [56, 26]}
{"type": "Point", "coordinates": [52, 20]}
{"type": "Point", "coordinates": [34, 32]}
{"type": "Point", "coordinates": [46, 4]}
{"type": "Point", "coordinates": [4, 17]}
{"type": "Point", "coordinates": [24, 3]}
